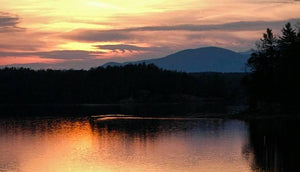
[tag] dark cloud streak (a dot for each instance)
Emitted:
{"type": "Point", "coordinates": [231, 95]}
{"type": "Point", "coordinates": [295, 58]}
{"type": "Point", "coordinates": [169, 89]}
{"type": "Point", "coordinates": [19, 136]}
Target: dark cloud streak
{"type": "Point", "coordinates": [128, 33]}
{"type": "Point", "coordinates": [99, 36]}
{"type": "Point", "coordinates": [8, 23]}
{"type": "Point", "coordinates": [124, 47]}
{"type": "Point", "coordinates": [64, 54]}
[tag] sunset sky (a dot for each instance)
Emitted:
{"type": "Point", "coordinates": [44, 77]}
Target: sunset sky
{"type": "Point", "coordinates": [87, 33]}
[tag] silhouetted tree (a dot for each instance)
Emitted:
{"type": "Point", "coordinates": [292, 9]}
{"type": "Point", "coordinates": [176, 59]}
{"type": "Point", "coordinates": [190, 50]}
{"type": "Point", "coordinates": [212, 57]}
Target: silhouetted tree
{"type": "Point", "coordinates": [275, 66]}
{"type": "Point", "coordinates": [289, 68]}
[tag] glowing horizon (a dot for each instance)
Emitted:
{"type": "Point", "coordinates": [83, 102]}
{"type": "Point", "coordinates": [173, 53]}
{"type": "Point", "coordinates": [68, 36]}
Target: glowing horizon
{"type": "Point", "coordinates": [80, 33]}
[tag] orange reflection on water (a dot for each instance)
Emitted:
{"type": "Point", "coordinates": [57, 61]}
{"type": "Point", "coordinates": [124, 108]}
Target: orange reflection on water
{"type": "Point", "coordinates": [116, 145]}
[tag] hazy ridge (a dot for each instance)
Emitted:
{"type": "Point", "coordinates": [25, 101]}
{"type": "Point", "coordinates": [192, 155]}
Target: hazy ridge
{"type": "Point", "coordinates": [206, 59]}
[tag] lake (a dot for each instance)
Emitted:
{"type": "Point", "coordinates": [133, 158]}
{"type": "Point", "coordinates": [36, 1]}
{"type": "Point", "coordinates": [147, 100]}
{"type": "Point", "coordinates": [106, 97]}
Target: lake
{"type": "Point", "coordinates": [125, 143]}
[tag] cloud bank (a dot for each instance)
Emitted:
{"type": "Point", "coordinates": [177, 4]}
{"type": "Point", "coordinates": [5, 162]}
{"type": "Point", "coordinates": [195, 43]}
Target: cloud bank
{"type": "Point", "coordinates": [70, 33]}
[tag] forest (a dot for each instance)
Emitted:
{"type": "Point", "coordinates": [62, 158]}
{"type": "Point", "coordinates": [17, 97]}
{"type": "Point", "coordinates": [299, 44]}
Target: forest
{"type": "Point", "coordinates": [128, 84]}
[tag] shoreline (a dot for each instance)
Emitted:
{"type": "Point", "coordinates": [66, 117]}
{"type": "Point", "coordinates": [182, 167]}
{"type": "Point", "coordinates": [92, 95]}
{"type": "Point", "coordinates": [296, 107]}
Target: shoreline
{"type": "Point", "coordinates": [165, 110]}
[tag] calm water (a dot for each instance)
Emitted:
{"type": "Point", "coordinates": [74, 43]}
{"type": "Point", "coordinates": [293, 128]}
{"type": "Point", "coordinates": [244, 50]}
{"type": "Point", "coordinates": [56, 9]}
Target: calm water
{"type": "Point", "coordinates": [134, 144]}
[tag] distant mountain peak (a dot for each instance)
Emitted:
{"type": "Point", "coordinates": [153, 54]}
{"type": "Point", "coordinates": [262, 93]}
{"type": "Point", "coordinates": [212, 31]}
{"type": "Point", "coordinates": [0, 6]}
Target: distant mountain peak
{"type": "Point", "coordinates": [205, 59]}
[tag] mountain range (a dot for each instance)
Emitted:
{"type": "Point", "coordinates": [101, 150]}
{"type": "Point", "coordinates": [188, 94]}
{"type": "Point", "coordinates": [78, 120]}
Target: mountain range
{"type": "Point", "coordinates": [206, 59]}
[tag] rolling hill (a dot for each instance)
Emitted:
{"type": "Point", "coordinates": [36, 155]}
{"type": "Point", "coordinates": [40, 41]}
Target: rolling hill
{"type": "Point", "coordinates": [206, 59]}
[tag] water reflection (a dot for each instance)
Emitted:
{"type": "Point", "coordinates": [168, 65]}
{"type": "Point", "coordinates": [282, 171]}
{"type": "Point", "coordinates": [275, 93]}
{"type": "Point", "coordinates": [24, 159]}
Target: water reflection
{"type": "Point", "coordinates": [43, 145]}
{"type": "Point", "coordinates": [64, 144]}
{"type": "Point", "coordinates": [274, 144]}
{"type": "Point", "coordinates": [176, 145]}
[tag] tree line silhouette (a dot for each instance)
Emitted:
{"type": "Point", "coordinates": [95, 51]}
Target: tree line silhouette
{"type": "Point", "coordinates": [139, 83]}
{"type": "Point", "coordinates": [274, 82]}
